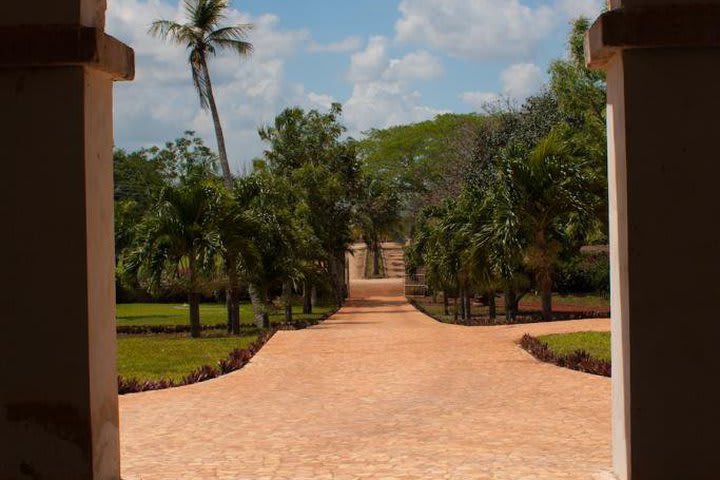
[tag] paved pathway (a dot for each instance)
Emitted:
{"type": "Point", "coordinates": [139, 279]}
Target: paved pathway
{"type": "Point", "coordinates": [382, 392]}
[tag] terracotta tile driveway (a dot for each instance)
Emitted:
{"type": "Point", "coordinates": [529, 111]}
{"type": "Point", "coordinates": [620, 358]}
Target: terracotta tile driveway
{"type": "Point", "coordinates": [382, 392]}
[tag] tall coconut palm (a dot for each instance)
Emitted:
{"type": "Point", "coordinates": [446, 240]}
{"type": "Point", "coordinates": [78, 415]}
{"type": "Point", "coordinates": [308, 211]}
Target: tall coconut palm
{"type": "Point", "coordinates": [203, 36]}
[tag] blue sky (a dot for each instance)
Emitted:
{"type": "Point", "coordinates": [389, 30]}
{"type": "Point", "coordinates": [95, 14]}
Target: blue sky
{"type": "Point", "coordinates": [388, 61]}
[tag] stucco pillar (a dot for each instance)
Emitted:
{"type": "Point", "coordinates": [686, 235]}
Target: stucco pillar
{"type": "Point", "coordinates": [58, 387]}
{"type": "Point", "coordinates": [663, 66]}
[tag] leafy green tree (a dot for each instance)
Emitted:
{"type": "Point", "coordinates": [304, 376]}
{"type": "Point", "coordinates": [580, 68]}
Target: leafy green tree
{"type": "Point", "coordinates": [203, 36]}
{"type": "Point", "coordinates": [378, 214]}
{"type": "Point", "coordinates": [306, 149]}
{"type": "Point", "coordinates": [178, 242]}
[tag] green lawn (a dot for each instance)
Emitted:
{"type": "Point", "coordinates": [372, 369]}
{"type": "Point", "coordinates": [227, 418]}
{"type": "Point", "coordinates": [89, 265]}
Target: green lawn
{"type": "Point", "coordinates": [597, 344]}
{"type": "Point", "coordinates": [210, 314]}
{"type": "Point", "coordinates": [154, 357]}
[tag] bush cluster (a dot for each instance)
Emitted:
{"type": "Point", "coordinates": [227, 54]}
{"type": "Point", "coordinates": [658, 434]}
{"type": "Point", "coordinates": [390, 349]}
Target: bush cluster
{"type": "Point", "coordinates": [584, 274]}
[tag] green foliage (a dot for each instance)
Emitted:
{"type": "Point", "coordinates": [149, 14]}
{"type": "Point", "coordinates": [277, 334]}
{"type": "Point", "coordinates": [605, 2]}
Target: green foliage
{"type": "Point", "coordinates": [597, 344]}
{"type": "Point", "coordinates": [424, 161]}
{"type": "Point", "coordinates": [153, 357]}
{"type": "Point", "coordinates": [584, 274]}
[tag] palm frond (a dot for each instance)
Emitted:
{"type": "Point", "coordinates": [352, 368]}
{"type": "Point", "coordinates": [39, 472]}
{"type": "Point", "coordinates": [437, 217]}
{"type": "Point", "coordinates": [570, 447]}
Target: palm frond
{"type": "Point", "coordinates": [173, 32]}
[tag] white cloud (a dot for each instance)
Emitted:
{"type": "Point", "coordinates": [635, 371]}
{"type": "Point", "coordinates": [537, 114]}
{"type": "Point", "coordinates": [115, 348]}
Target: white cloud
{"type": "Point", "coordinates": [580, 8]}
{"type": "Point", "coordinates": [349, 44]}
{"type": "Point", "coordinates": [519, 81]}
{"type": "Point", "coordinates": [476, 29]}
{"type": "Point", "coordinates": [486, 29]}
{"type": "Point", "coordinates": [414, 66]}
{"type": "Point", "coordinates": [161, 103]}
{"type": "Point", "coordinates": [382, 94]}
{"type": "Point", "coordinates": [369, 63]}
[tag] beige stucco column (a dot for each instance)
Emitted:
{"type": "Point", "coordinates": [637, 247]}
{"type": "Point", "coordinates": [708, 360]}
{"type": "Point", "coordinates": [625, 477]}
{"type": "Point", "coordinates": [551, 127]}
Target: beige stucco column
{"type": "Point", "coordinates": [58, 390]}
{"type": "Point", "coordinates": [663, 67]}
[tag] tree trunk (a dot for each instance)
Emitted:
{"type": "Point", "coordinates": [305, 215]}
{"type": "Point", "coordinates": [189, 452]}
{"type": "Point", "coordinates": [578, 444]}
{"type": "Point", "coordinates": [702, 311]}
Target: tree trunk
{"type": "Point", "coordinates": [307, 297]}
{"type": "Point", "coordinates": [446, 304]}
{"type": "Point", "coordinates": [194, 301]}
{"type": "Point", "coordinates": [233, 296]}
{"type": "Point", "coordinates": [455, 308]}
{"type": "Point", "coordinates": [462, 303]}
{"type": "Point", "coordinates": [313, 296]}
{"type": "Point", "coordinates": [257, 297]}
{"type": "Point", "coordinates": [546, 293]}
{"type": "Point", "coordinates": [219, 136]}
{"type": "Point", "coordinates": [510, 304]}
{"type": "Point", "coordinates": [376, 259]}
{"type": "Point", "coordinates": [337, 274]}
{"type": "Point", "coordinates": [468, 304]}
{"type": "Point", "coordinates": [492, 306]}
{"type": "Point", "coordinates": [287, 299]}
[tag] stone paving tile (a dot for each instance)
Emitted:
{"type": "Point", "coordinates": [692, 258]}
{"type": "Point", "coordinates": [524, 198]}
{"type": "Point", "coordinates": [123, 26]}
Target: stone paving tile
{"type": "Point", "coordinates": [379, 391]}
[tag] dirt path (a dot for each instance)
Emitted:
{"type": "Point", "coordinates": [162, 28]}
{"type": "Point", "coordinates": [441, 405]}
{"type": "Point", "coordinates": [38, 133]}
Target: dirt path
{"type": "Point", "coordinates": [379, 391]}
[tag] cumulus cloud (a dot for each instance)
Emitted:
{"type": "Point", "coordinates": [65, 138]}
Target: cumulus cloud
{"type": "Point", "coordinates": [518, 81]}
{"type": "Point", "coordinates": [579, 8]}
{"type": "Point", "coordinates": [486, 29]}
{"type": "Point", "coordinates": [349, 44]}
{"type": "Point", "coordinates": [419, 65]}
{"type": "Point", "coordinates": [383, 93]}
{"type": "Point", "coordinates": [476, 29]}
{"type": "Point", "coordinates": [161, 103]}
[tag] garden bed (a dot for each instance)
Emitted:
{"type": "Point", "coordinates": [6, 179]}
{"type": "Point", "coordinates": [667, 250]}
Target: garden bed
{"type": "Point", "coordinates": [565, 307]}
{"type": "Point", "coordinates": [587, 352]}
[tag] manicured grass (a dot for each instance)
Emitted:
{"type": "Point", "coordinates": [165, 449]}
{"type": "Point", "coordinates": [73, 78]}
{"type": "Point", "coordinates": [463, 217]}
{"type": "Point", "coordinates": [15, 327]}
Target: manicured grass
{"type": "Point", "coordinates": [154, 357]}
{"type": "Point", "coordinates": [210, 314]}
{"type": "Point", "coordinates": [597, 344]}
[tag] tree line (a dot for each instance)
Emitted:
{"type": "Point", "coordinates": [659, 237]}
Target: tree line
{"type": "Point", "coordinates": [519, 190]}
{"type": "Point", "coordinates": [284, 228]}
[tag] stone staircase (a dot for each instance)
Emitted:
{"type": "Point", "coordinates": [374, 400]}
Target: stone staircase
{"type": "Point", "coordinates": [394, 260]}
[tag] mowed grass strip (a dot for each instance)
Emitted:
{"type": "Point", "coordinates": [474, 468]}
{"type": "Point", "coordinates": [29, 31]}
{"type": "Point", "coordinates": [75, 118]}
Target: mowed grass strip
{"type": "Point", "coordinates": [597, 344]}
{"type": "Point", "coordinates": [155, 357]}
{"type": "Point", "coordinates": [156, 314]}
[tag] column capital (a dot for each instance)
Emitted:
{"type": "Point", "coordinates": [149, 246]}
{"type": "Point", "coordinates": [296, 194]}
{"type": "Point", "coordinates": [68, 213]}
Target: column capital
{"type": "Point", "coordinates": [667, 26]}
{"type": "Point", "coordinates": [65, 45]}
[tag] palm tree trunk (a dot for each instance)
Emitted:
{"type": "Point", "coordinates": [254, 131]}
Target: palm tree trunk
{"type": "Point", "coordinates": [194, 302]}
{"type": "Point", "coordinates": [307, 297]}
{"type": "Point", "coordinates": [455, 308]}
{"type": "Point", "coordinates": [287, 298]}
{"type": "Point", "coordinates": [468, 304]}
{"type": "Point", "coordinates": [446, 304]}
{"type": "Point", "coordinates": [257, 298]}
{"type": "Point", "coordinates": [510, 304]}
{"type": "Point", "coordinates": [492, 306]}
{"type": "Point", "coordinates": [233, 296]}
{"type": "Point", "coordinates": [220, 137]}
{"type": "Point", "coordinates": [546, 293]}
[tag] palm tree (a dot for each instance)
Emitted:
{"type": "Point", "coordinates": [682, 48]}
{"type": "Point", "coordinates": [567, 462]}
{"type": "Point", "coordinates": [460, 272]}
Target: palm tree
{"type": "Point", "coordinates": [543, 195]}
{"type": "Point", "coordinates": [178, 240]}
{"type": "Point", "coordinates": [203, 36]}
